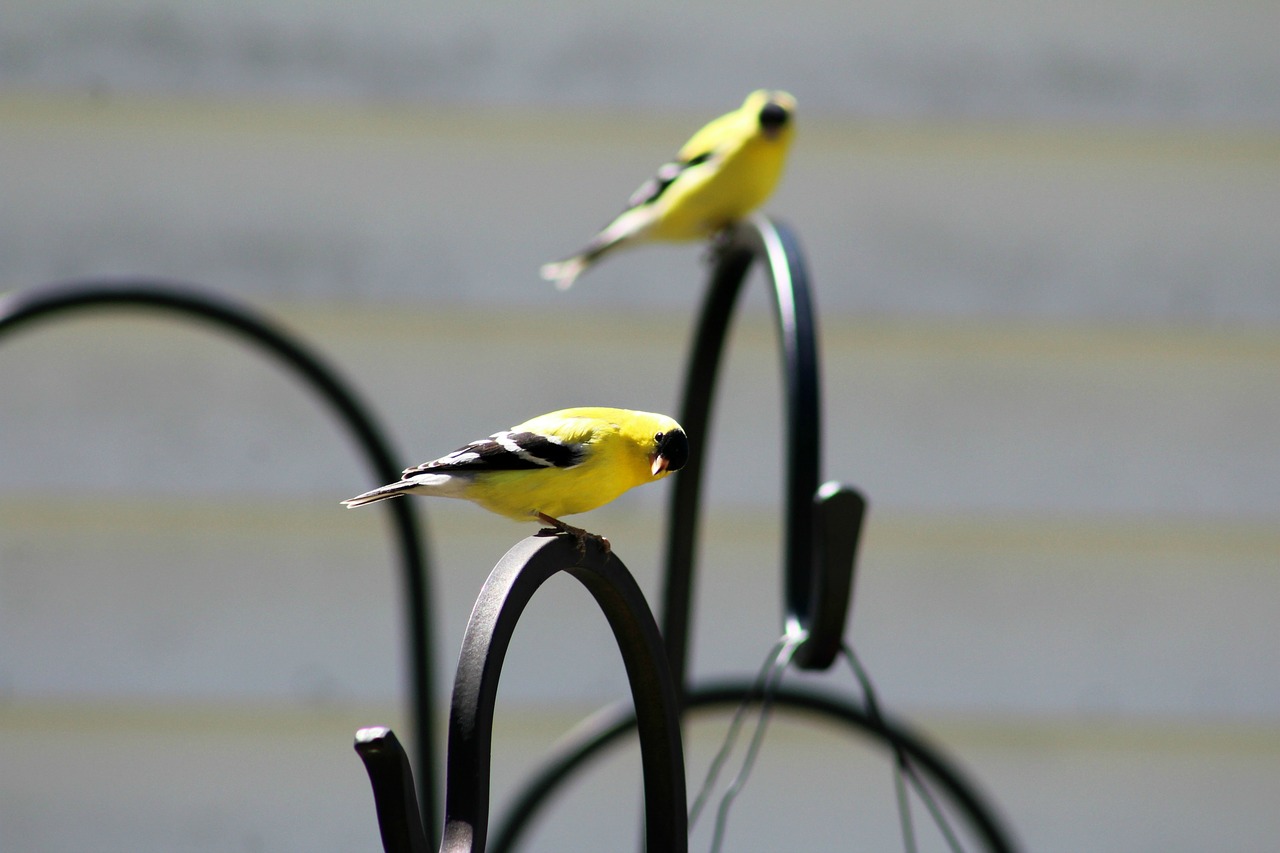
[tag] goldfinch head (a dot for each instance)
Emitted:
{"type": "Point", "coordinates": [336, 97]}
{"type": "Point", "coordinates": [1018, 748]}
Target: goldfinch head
{"type": "Point", "coordinates": [774, 111]}
{"type": "Point", "coordinates": [660, 438]}
{"type": "Point", "coordinates": [653, 445]}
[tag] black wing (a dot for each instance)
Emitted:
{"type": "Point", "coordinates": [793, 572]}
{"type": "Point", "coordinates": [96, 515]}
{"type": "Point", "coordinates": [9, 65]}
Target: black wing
{"type": "Point", "coordinates": [652, 189]}
{"type": "Point", "coordinates": [506, 451]}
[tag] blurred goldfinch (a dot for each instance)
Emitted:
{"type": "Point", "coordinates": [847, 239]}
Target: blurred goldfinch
{"type": "Point", "coordinates": [561, 463]}
{"type": "Point", "coordinates": [724, 172]}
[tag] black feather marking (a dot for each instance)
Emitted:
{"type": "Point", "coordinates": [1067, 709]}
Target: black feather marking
{"type": "Point", "coordinates": [547, 451]}
{"type": "Point", "coordinates": [506, 451]}
{"type": "Point", "coordinates": [652, 189]}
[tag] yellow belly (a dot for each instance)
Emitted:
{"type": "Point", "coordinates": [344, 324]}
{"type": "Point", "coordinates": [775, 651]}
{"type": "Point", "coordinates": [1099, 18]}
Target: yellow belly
{"type": "Point", "coordinates": [556, 492]}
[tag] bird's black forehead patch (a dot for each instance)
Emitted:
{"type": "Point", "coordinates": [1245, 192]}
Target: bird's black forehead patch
{"type": "Point", "coordinates": [674, 447]}
{"type": "Point", "coordinates": [773, 115]}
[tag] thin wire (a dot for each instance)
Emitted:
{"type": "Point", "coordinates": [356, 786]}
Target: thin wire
{"type": "Point", "coordinates": [765, 686]}
{"type": "Point", "coordinates": [900, 771]}
{"type": "Point", "coordinates": [790, 642]}
{"type": "Point", "coordinates": [902, 765]}
{"type": "Point", "coordinates": [717, 763]}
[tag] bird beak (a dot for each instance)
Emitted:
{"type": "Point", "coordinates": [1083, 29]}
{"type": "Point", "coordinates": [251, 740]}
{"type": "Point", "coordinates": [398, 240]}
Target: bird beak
{"type": "Point", "coordinates": [660, 464]}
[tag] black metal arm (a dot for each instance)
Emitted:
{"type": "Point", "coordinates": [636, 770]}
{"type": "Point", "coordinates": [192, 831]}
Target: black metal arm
{"type": "Point", "coordinates": [822, 522]}
{"type": "Point", "coordinates": [393, 791]}
{"type": "Point", "coordinates": [609, 727]}
{"type": "Point", "coordinates": [508, 590]}
{"type": "Point", "coordinates": [25, 308]}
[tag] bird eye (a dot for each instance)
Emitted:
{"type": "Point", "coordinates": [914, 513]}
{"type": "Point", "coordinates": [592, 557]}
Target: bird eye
{"type": "Point", "coordinates": [657, 439]}
{"type": "Point", "coordinates": [773, 115]}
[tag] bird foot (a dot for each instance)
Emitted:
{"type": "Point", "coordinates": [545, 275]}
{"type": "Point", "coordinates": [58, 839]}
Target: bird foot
{"type": "Point", "coordinates": [557, 526]}
{"type": "Point", "coordinates": [718, 243]}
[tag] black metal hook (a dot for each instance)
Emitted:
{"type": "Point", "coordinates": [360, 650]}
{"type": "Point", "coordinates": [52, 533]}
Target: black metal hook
{"type": "Point", "coordinates": [22, 308]}
{"type": "Point", "coordinates": [394, 796]}
{"type": "Point", "coordinates": [509, 588]}
{"type": "Point", "coordinates": [822, 521]}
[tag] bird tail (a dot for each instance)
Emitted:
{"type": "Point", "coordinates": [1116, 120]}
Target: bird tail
{"type": "Point", "coordinates": [565, 273]}
{"type": "Point", "coordinates": [421, 482]}
{"type": "Point", "coordinates": [382, 493]}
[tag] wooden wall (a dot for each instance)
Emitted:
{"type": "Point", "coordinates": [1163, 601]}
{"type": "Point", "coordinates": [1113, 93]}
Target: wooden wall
{"type": "Point", "coordinates": [1044, 242]}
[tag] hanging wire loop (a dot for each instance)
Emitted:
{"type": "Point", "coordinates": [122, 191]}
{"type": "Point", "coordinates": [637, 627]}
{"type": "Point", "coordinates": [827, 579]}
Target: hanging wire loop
{"type": "Point", "coordinates": [822, 522]}
{"type": "Point", "coordinates": [506, 593]}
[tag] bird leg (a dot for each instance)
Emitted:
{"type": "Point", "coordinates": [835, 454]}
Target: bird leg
{"type": "Point", "coordinates": [558, 526]}
{"type": "Point", "coordinates": [718, 243]}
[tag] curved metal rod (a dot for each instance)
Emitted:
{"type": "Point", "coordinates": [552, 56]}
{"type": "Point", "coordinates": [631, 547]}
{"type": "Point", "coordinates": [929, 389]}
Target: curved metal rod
{"type": "Point", "coordinates": [510, 586]}
{"type": "Point", "coordinates": [588, 741]}
{"type": "Point", "coordinates": [822, 524]}
{"type": "Point", "coordinates": [393, 792]}
{"type": "Point", "coordinates": [23, 308]}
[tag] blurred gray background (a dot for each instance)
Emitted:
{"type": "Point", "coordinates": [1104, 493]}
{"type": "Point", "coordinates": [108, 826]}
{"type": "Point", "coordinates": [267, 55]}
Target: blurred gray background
{"type": "Point", "coordinates": [1044, 242]}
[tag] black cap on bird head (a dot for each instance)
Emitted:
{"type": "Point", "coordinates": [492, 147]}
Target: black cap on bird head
{"type": "Point", "coordinates": [671, 453]}
{"type": "Point", "coordinates": [773, 117]}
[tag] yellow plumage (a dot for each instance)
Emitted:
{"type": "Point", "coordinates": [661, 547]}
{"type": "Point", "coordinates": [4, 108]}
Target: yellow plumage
{"type": "Point", "coordinates": [619, 445]}
{"type": "Point", "coordinates": [561, 463]}
{"type": "Point", "coordinates": [725, 171]}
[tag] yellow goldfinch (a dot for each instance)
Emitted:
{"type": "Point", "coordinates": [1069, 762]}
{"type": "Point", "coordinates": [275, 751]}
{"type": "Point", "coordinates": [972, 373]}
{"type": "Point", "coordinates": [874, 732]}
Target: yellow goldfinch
{"type": "Point", "coordinates": [561, 463]}
{"type": "Point", "coordinates": [723, 173]}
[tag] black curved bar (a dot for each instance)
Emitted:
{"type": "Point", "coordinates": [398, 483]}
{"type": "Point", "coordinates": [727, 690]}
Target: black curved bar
{"type": "Point", "coordinates": [23, 308]}
{"type": "Point", "coordinates": [610, 726]}
{"type": "Point", "coordinates": [393, 791]}
{"type": "Point", "coordinates": [822, 525]}
{"type": "Point", "coordinates": [509, 588]}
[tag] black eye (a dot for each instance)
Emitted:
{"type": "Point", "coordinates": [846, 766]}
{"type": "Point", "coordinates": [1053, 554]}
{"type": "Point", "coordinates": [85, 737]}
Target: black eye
{"type": "Point", "coordinates": [773, 116]}
{"type": "Point", "coordinates": [657, 439]}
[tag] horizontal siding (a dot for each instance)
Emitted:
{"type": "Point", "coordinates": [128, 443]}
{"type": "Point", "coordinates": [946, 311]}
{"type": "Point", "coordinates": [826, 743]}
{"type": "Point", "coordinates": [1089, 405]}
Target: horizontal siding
{"type": "Point", "coordinates": [1134, 60]}
{"type": "Point", "coordinates": [211, 779]}
{"type": "Point", "coordinates": [1006, 418]}
{"type": "Point", "coordinates": [1043, 242]}
{"type": "Point", "coordinates": [1043, 556]}
{"type": "Point", "coordinates": [418, 206]}
{"type": "Point", "coordinates": [1124, 619]}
